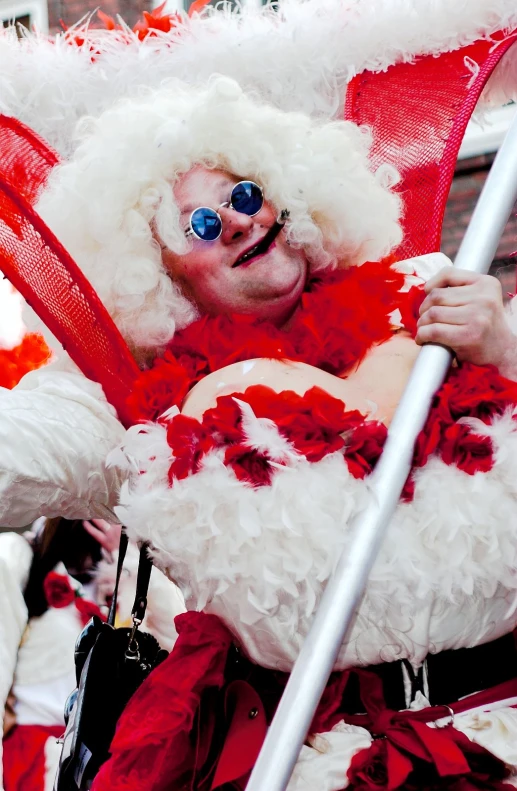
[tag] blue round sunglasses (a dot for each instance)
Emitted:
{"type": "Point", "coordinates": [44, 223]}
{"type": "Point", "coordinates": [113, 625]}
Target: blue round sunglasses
{"type": "Point", "coordinates": [206, 224]}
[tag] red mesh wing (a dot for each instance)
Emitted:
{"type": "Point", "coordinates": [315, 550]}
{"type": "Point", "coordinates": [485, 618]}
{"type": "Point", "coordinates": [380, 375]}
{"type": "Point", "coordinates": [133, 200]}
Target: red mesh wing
{"type": "Point", "coordinates": [418, 114]}
{"type": "Point", "coordinates": [44, 273]}
{"type": "Point", "coordinates": [25, 159]}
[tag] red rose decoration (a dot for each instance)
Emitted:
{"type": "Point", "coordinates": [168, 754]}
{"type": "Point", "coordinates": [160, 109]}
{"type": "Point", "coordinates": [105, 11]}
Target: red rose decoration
{"type": "Point", "coordinates": [470, 391]}
{"type": "Point", "coordinates": [429, 440]}
{"type": "Point", "coordinates": [475, 391]}
{"type": "Point", "coordinates": [323, 423]}
{"type": "Point", "coordinates": [58, 590]}
{"type": "Point", "coordinates": [381, 767]}
{"type": "Point", "coordinates": [189, 442]}
{"type": "Point", "coordinates": [316, 424]}
{"type": "Point", "coordinates": [364, 446]}
{"type": "Point", "coordinates": [470, 452]}
{"type": "Point", "coordinates": [223, 422]}
{"type": "Point", "coordinates": [309, 437]}
{"type": "Point", "coordinates": [249, 465]}
{"type": "Point", "coordinates": [87, 609]}
{"type": "Point", "coordinates": [266, 402]}
{"type": "Point", "coordinates": [313, 423]}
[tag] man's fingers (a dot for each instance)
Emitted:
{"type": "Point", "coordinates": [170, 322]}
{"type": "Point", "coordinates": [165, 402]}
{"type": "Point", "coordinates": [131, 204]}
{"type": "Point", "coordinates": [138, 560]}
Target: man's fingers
{"type": "Point", "coordinates": [453, 297]}
{"type": "Point", "coordinates": [438, 314]}
{"type": "Point", "coordinates": [102, 524]}
{"type": "Point", "coordinates": [450, 276]}
{"type": "Point", "coordinates": [445, 334]}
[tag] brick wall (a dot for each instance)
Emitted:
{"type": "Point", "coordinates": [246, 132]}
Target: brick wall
{"type": "Point", "coordinates": [70, 11]}
{"type": "Point", "coordinates": [468, 182]}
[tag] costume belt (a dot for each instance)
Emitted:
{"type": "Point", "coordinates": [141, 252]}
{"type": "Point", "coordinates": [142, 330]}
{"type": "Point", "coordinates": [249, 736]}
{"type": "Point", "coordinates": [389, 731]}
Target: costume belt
{"type": "Point", "coordinates": [199, 720]}
{"type": "Point", "coordinates": [375, 698]}
{"type": "Point", "coordinates": [443, 678]}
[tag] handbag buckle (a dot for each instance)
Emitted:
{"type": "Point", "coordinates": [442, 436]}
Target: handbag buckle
{"type": "Point", "coordinates": [132, 650]}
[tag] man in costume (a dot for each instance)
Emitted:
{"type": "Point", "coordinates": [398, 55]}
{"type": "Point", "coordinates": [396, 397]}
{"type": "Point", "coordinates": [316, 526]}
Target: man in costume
{"type": "Point", "coordinates": [228, 255]}
{"type": "Point", "coordinates": [230, 245]}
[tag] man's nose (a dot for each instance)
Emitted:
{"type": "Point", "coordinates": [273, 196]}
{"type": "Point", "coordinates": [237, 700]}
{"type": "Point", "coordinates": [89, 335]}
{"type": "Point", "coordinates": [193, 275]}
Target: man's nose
{"type": "Point", "coordinates": [235, 225]}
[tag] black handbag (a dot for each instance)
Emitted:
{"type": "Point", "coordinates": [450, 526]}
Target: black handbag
{"type": "Point", "coordinates": [110, 666]}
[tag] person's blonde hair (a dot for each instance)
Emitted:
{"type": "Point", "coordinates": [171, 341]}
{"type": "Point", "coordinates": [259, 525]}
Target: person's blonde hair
{"type": "Point", "coordinates": [105, 203]}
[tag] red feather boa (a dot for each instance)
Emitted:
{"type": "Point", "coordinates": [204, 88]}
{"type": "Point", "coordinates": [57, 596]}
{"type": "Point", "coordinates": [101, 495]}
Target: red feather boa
{"type": "Point", "coordinates": [338, 322]}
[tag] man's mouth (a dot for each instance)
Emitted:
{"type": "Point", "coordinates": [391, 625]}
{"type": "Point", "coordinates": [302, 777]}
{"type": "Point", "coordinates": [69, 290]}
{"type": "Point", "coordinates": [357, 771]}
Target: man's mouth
{"type": "Point", "coordinates": [263, 245]}
{"type": "Point", "coordinates": [253, 252]}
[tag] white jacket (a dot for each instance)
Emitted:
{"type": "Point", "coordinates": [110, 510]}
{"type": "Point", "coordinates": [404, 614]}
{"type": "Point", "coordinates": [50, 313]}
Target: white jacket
{"type": "Point", "coordinates": [36, 656]}
{"type": "Point", "coordinates": [56, 429]}
{"type": "Point", "coordinates": [15, 561]}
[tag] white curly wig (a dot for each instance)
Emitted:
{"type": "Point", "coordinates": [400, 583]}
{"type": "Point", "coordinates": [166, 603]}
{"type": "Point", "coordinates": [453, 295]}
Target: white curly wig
{"type": "Point", "coordinates": [118, 186]}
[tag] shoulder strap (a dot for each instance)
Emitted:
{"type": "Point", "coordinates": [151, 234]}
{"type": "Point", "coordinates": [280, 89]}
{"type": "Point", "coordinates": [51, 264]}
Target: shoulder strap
{"type": "Point", "coordinates": [145, 567]}
{"type": "Point", "coordinates": [122, 549]}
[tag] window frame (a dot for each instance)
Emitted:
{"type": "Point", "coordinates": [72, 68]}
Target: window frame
{"type": "Point", "coordinates": [36, 10]}
{"type": "Point", "coordinates": [179, 5]}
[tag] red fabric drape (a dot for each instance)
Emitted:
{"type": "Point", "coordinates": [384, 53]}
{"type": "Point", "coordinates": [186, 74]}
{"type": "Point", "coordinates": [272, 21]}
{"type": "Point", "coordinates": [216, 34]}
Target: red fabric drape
{"type": "Point", "coordinates": [24, 756]}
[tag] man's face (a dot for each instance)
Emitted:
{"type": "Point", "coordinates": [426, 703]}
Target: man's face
{"type": "Point", "coordinates": [267, 286]}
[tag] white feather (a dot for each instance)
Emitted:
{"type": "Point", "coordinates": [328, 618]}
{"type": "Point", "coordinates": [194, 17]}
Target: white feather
{"type": "Point", "coordinates": [300, 58]}
{"type": "Point", "coordinates": [260, 558]}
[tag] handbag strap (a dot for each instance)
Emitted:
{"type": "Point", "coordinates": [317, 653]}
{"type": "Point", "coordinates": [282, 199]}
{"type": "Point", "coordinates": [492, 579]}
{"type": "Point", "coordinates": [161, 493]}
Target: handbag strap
{"type": "Point", "coordinates": [122, 549]}
{"type": "Point", "coordinates": [140, 604]}
{"type": "Point", "coordinates": [145, 567]}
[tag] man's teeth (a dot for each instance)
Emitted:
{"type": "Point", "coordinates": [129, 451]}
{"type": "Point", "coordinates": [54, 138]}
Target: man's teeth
{"type": "Point", "coordinates": [248, 255]}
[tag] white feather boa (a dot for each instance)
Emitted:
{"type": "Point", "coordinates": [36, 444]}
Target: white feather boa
{"type": "Point", "coordinates": [446, 576]}
{"type": "Point", "coordinates": [300, 58]}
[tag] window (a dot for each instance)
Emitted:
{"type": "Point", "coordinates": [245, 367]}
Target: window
{"type": "Point", "coordinates": [229, 3]}
{"type": "Point", "coordinates": [184, 5]}
{"type": "Point", "coordinates": [25, 14]}
{"type": "Point", "coordinates": [486, 136]}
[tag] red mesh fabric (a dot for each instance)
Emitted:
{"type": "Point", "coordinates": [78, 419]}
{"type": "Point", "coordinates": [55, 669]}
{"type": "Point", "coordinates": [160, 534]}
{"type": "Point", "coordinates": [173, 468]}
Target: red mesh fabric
{"type": "Point", "coordinates": [418, 114]}
{"type": "Point", "coordinates": [44, 273]}
{"type": "Point", "coordinates": [25, 159]}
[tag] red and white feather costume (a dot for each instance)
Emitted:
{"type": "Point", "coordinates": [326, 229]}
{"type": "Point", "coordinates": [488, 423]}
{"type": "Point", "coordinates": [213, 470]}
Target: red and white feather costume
{"type": "Point", "coordinates": [258, 556]}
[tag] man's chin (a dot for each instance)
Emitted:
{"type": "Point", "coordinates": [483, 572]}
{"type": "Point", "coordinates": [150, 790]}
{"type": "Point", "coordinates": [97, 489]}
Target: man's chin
{"type": "Point", "coordinates": [277, 305]}
{"type": "Point", "coordinates": [287, 285]}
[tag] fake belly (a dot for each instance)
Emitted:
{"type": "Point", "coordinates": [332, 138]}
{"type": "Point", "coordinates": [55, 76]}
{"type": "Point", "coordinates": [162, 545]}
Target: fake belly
{"type": "Point", "coordinates": [259, 556]}
{"type": "Point", "coordinates": [374, 388]}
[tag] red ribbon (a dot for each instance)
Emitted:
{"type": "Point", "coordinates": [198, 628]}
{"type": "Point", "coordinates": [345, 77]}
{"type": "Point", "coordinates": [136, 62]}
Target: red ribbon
{"type": "Point", "coordinates": [410, 740]}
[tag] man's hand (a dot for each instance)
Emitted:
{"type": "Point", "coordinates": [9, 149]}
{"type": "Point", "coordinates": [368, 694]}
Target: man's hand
{"type": "Point", "coordinates": [465, 311]}
{"type": "Point", "coordinates": [107, 534]}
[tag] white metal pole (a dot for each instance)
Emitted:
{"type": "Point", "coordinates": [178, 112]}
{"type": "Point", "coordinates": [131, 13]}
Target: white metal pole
{"type": "Point", "coordinates": [345, 590]}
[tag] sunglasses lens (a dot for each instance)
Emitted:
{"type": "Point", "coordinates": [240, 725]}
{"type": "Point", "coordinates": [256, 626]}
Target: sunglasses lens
{"type": "Point", "coordinates": [247, 198]}
{"type": "Point", "coordinates": [206, 224]}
